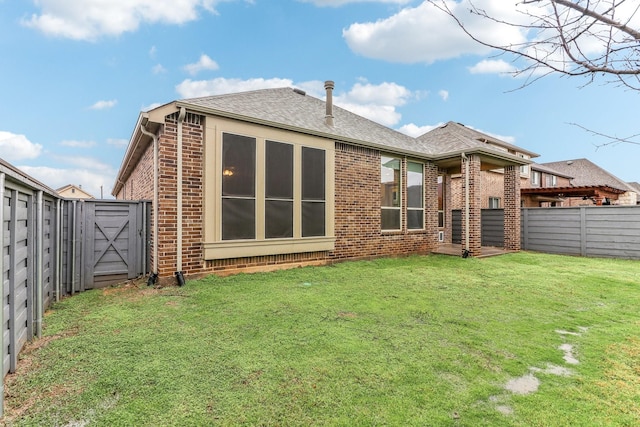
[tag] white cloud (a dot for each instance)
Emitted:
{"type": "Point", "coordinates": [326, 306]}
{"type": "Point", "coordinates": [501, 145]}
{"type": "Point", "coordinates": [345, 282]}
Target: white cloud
{"type": "Point", "coordinates": [427, 34]}
{"type": "Point", "coordinates": [375, 102]}
{"type": "Point", "coordinates": [91, 19]}
{"type": "Point", "coordinates": [444, 94]}
{"type": "Point", "coordinates": [488, 66]}
{"type": "Point", "coordinates": [158, 69]}
{"type": "Point", "coordinates": [104, 105]}
{"type": "Point", "coordinates": [415, 130]}
{"type": "Point", "coordinates": [338, 3]}
{"type": "Point", "coordinates": [78, 144]}
{"type": "Point", "coordinates": [204, 63]}
{"type": "Point", "coordinates": [89, 179]}
{"type": "Point", "coordinates": [152, 52]}
{"type": "Point", "coordinates": [17, 147]}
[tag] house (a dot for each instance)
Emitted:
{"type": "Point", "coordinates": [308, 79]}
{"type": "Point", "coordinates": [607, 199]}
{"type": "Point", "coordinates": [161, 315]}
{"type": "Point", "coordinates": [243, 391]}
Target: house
{"type": "Point", "coordinates": [589, 185]}
{"type": "Point", "coordinates": [71, 191]}
{"type": "Point", "coordinates": [276, 178]}
{"type": "Point", "coordinates": [538, 188]}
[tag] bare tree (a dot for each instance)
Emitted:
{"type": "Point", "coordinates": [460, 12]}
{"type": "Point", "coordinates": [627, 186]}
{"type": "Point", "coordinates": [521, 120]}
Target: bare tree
{"type": "Point", "coordinates": [590, 38]}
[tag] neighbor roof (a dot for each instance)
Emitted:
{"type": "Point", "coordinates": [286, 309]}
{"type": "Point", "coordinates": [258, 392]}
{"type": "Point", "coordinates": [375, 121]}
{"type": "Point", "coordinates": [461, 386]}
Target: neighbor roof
{"type": "Point", "coordinates": [548, 170]}
{"type": "Point", "coordinates": [587, 173]}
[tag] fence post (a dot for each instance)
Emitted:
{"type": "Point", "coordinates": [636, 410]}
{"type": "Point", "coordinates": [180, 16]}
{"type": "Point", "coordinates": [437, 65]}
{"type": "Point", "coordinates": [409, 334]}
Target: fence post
{"type": "Point", "coordinates": [525, 228]}
{"type": "Point", "coordinates": [583, 231]}
{"type": "Point", "coordinates": [39, 253]}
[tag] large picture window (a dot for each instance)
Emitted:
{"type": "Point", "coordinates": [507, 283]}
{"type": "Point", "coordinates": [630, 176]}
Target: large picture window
{"type": "Point", "coordinates": [415, 196]}
{"type": "Point", "coordinates": [390, 192]}
{"type": "Point", "coordinates": [267, 191]}
{"type": "Point", "coordinates": [278, 205]}
{"type": "Point", "coordinates": [313, 192]}
{"type": "Point", "coordinates": [238, 187]}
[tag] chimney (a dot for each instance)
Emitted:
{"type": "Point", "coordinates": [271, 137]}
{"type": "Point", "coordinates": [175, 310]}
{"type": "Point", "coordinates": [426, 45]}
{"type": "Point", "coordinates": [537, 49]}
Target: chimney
{"type": "Point", "coordinates": [328, 118]}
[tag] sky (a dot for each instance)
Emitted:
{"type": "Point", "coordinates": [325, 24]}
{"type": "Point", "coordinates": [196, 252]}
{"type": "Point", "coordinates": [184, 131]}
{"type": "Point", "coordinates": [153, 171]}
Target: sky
{"type": "Point", "coordinates": [74, 76]}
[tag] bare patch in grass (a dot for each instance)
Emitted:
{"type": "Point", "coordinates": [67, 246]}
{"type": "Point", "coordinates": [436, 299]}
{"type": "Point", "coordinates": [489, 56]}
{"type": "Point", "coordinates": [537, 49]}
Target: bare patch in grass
{"type": "Point", "coordinates": [525, 384]}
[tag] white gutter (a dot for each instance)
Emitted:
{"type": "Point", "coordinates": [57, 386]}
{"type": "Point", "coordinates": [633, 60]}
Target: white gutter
{"type": "Point", "coordinates": [155, 197]}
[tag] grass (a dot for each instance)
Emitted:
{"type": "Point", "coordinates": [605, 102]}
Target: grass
{"type": "Point", "coordinates": [410, 341]}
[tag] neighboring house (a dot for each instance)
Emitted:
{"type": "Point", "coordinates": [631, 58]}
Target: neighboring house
{"type": "Point", "coordinates": [71, 191]}
{"type": "Point", "coordinates": [589, 185]}
{"type": "Point", "coordinates": [539, 188]}
{"type": "Point", "coordinates": [276, 178]}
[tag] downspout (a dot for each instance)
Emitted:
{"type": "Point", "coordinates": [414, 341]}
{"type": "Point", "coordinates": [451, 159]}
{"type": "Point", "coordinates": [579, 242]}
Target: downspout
{"type": "Point", "coordinates": [179, 273]}
{"type": "Point", "coordinates": [153, 277]}
{"type": "Point", "coordinates": [39, 253]}
{"type": "Point", "coordinates": [466, 252]}
{"type": "Point", "coordinates": [2, 319]}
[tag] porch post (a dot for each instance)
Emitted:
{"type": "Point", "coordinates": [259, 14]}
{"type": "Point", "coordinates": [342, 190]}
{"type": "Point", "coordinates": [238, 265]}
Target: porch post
{"type": "Point", "coordinates": [471, 166]}
{"type": "Point", "coordinates": [431, 203]}
{"type": "Point", "coordinates": [512, 208]}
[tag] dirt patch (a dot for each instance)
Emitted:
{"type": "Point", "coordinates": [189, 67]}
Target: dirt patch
{"type": "Point", "coordinates": [525, 384]}
{"type": "Point", "coordinates": [347, 315]}
{"type": "Point", "coordinates": [568, 354]}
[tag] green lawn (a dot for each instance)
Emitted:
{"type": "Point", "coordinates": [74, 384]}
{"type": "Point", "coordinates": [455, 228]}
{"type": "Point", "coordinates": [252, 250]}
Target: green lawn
{"type": "Point", "coordinates": [424, 341]}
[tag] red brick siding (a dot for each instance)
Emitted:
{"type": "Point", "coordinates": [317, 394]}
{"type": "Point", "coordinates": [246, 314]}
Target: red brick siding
{"type": "Point", "coordinates": [357, 208]}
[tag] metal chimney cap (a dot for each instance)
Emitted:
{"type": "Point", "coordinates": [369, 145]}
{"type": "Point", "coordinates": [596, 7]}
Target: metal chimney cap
{"type": "Point", "coordinates": [329, 84]}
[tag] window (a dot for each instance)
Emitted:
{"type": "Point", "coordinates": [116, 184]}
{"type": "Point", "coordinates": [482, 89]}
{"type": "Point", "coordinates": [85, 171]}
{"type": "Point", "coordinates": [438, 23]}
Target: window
{"type": "Point", "coordinates": [535, 178]}
{"type": "Point", "coordinates": [238, 187]}
{"type": "Point", "coordinates": [415, 196]}
{"type": "Point", "coordinates": [313, 192]}
{"type": "Point", "coordinates": [267, 192]}
{"type": "Point", "coordinates": [390, 195]}
{"type": "Point", "coordinates": [494, 202]}
{"type": "Point", "coordinates": [278, 208]}
{"type": "Point", "coordinates": [551, 180]}
{"type": "Point", "coordinates": [524, 169]}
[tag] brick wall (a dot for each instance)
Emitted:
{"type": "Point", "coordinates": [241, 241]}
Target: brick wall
{"type": "Point", "coordinates": [492, 186]}
{"type": "Point", "coordinates": [357, 211]}
{"type": "Point", "coordinates": [357, 208]}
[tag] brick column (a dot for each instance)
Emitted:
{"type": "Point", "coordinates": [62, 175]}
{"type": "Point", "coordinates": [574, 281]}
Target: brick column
{"type": "Point", "coordinates": [431, 203]}
{"type": "Point", "coordinates": [447, 205]}
{"type": "Point", "coordinates": [512, 208]}
{"type": "Point", "coordinates": [474, 204]}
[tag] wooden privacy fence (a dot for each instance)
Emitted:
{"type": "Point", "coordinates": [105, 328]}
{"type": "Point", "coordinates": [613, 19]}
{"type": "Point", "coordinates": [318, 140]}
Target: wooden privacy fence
{"type": "Point", "coordinates": [53, 247]}
{"type": "Point", "coordinates": [592, 231]}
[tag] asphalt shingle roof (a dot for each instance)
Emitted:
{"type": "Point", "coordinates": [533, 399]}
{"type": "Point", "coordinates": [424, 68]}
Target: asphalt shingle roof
{"type": "Point", "coordinates": [285, 106]}
{"type": "Point", "coordinates": [454, 136]}
{"type": "Point", "coordinates": [587, 174]}
{"type": "Point", "coordinates": [295, 109]}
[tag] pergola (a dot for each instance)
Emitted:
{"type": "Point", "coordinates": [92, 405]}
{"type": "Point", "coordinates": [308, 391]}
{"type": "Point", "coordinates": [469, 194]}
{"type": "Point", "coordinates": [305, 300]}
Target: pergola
{"type": "Point", "coordinates": [598, 194]}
